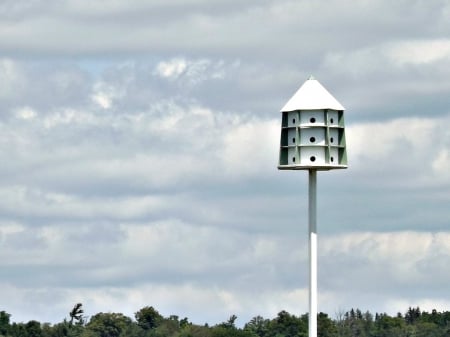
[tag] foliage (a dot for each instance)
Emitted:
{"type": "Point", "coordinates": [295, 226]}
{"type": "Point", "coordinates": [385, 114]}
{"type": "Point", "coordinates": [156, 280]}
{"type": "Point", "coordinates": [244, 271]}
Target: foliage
{"type": "Point", "coordinates": [76, 313]}
{"type": "Point", "coordinates": [107, 325]}
{"type": "Point", "coordinates": [287, 325]}
{"type": "Point", "coordinates": [148, 318]}
{"type": "Point", "coordinates": [4, 322]}
{"type": "Point", "coordinates": [258, 326]}
{"type": "Point", "coordinates": [150, 323]}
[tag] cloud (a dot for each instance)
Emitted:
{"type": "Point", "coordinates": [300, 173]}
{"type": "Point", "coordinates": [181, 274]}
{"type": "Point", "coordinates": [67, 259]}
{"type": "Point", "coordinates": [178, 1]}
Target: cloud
{"type": "Point", "coordinates": [441, 164]}
{"type": "Point", "coordinates": [179, 261]}
{"type": "Point", "coordinates": [404, 144]}
{"type": "Point", "coordinates": [173, 68]}
{"type": "Point", "coordinates": [25, 113]}
{"type": "Point", "coordinates": [390, 56]}
{"type": "Point", "coordinates": [420, 52]}
{"type": "Point", "coordinates": [241, 282]}
{"type": "Point", "coordinates": [250, 146]}
{"type": "Point", "coordinates": [140, 142]}
{"type": "Point", "coordinates": [389, 265]}
{"type": "Point", "coordinates": [176, 145]}
{"type": "Point", "coordinates": [82, 28]}
{"type": "Point", "coordinates": [13, 78]}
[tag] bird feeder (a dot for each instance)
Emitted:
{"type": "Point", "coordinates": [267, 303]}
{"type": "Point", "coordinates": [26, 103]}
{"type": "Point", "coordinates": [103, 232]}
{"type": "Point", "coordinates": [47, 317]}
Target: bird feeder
{"type": "Point", "coordinates": [312, 130]}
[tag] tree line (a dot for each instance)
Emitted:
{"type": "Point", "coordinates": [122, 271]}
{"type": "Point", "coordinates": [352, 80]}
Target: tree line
{"type": "Point", "coordinates": [148, 322]}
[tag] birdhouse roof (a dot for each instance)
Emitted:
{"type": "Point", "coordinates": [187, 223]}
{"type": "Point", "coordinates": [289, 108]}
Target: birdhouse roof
{"type": "Point", "coordinates": [311, 96]}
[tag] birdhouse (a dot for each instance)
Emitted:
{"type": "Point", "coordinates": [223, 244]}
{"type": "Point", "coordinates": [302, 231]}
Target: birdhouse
{"type": "Point", "coordinates": [312, 130]}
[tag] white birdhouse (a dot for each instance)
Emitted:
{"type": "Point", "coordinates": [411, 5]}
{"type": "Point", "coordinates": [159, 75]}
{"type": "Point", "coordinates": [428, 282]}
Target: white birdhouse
{"type": "Point", "coordinates": [312, 130]}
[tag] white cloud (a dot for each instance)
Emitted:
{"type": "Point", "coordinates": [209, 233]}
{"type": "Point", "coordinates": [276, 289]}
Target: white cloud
{"type": "Point", "coordinates": [191, 73]}
{"type": "Point", "coordinates": [40, 203]}
{"type": "Point", "coordinates": [102, 100]}
{"type": "Point", "coordinates": [251, 146]}
{"type": "Point", "coordinates": [388, 266]}
{"type": "Point", "coordinates": [400, 145]}
{"type": "Point", "coordinates": [12, 78]}
{"type": "Point", "coordinates": [441, 164]}
{"type": "Point", "coordinates": [10, 227]}
{"type": "Point", "coordinates": [26, 113]}
{"type": "Point", "coordinates": [67, 117]}
{"type": "Point", "coordinates": [419, 52]}
{"type": "Point", "coordinates": [385, 59]}
{"type": "Point", "coordinates": [105, 93]}
{"type": "Point", "coordinates": [169, 262]}
{"type": "Point", "coordinates": [391, 261]}
{"type": "Point", "coordinates": [173, 68]}
{"type": "Point", "coordinates": [381, 140]}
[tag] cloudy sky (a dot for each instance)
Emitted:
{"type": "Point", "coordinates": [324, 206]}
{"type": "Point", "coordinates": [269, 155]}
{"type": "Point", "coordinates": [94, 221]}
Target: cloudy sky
{"type": "Point", "coordinates": [139, 147]}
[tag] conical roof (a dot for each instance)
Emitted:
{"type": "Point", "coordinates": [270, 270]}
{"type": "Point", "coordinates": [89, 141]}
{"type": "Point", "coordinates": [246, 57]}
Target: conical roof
{"type": "Point", "coordinates": [311, 96]}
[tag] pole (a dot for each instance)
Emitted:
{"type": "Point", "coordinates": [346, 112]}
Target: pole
{"type": "Point", "coordinates": [312, 212]}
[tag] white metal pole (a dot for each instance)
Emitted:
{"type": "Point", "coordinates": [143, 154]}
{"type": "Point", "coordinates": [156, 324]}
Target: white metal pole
{"type": "Point", "coordinates": [312, 212]}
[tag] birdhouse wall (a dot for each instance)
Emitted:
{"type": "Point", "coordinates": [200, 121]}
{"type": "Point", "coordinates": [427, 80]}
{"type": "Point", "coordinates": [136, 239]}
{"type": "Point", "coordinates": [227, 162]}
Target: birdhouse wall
{"type": "Point", "coordinates": [312, 136]}
{"type": "Point", "coordinates": [292, 156]}
{"type": "Point", "coordinates": [333, 118]}
{"type": "Point", "coordinates": [333, 137]}
{"type": "Point", "coordinates": [312, 117]}
{"type": "Point", "coordinates": [292, 137]}
{"type": "Point", "coordinates": [334, 155]}
{"type": "Point", "coordinates": [292, 118]}
{"type": "Point", "coordinates": [312, 155]}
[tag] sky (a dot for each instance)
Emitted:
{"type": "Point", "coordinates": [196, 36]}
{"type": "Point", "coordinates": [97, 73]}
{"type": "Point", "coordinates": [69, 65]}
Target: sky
{"type": "Point", "coordinates": [139, 148]}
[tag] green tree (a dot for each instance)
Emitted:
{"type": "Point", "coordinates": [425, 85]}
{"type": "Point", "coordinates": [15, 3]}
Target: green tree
{"type": "Point", "coordinates": [4, 323]}
{"type": "Point", "coordinates": [258, 325]}
{"type": "Point", "coordinates": [47, 330]}
{"type": "Point", "coordinates": [33, 329]}
{"type": "Point", "coordinates": [427, 329]}
{"type": "Point", "coordinates": [18, 330]}
{"type": "Point", "coordinates": [287, 325]}
{"type": "Point", "coordinates": [354, 323]}
{"type": "Point", "coordinates": [60, 330]}
{"type": "Point", "coordinates": [107, 325]}
{"type": "Point", "coordinates": [148, 318]}
{"type": "Point", "coordinates": [230, 323]}
{"type": "Point", "coordinates": [184, 322]}
{"type": "Point", "coordinates": [76, 313]}
{"type": "Point", "coordinates": [195, 331]}
{"type": "Point", "coordinates": [386, 326]}
{"type": "Point", "coordinates": [169, 327]}
{"type": "Point", "coordinates": [412, 315]}
{"type": "Point", "coordinates": [325, 326]}
{"type": "Point", "coordinates": [229, 329]}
